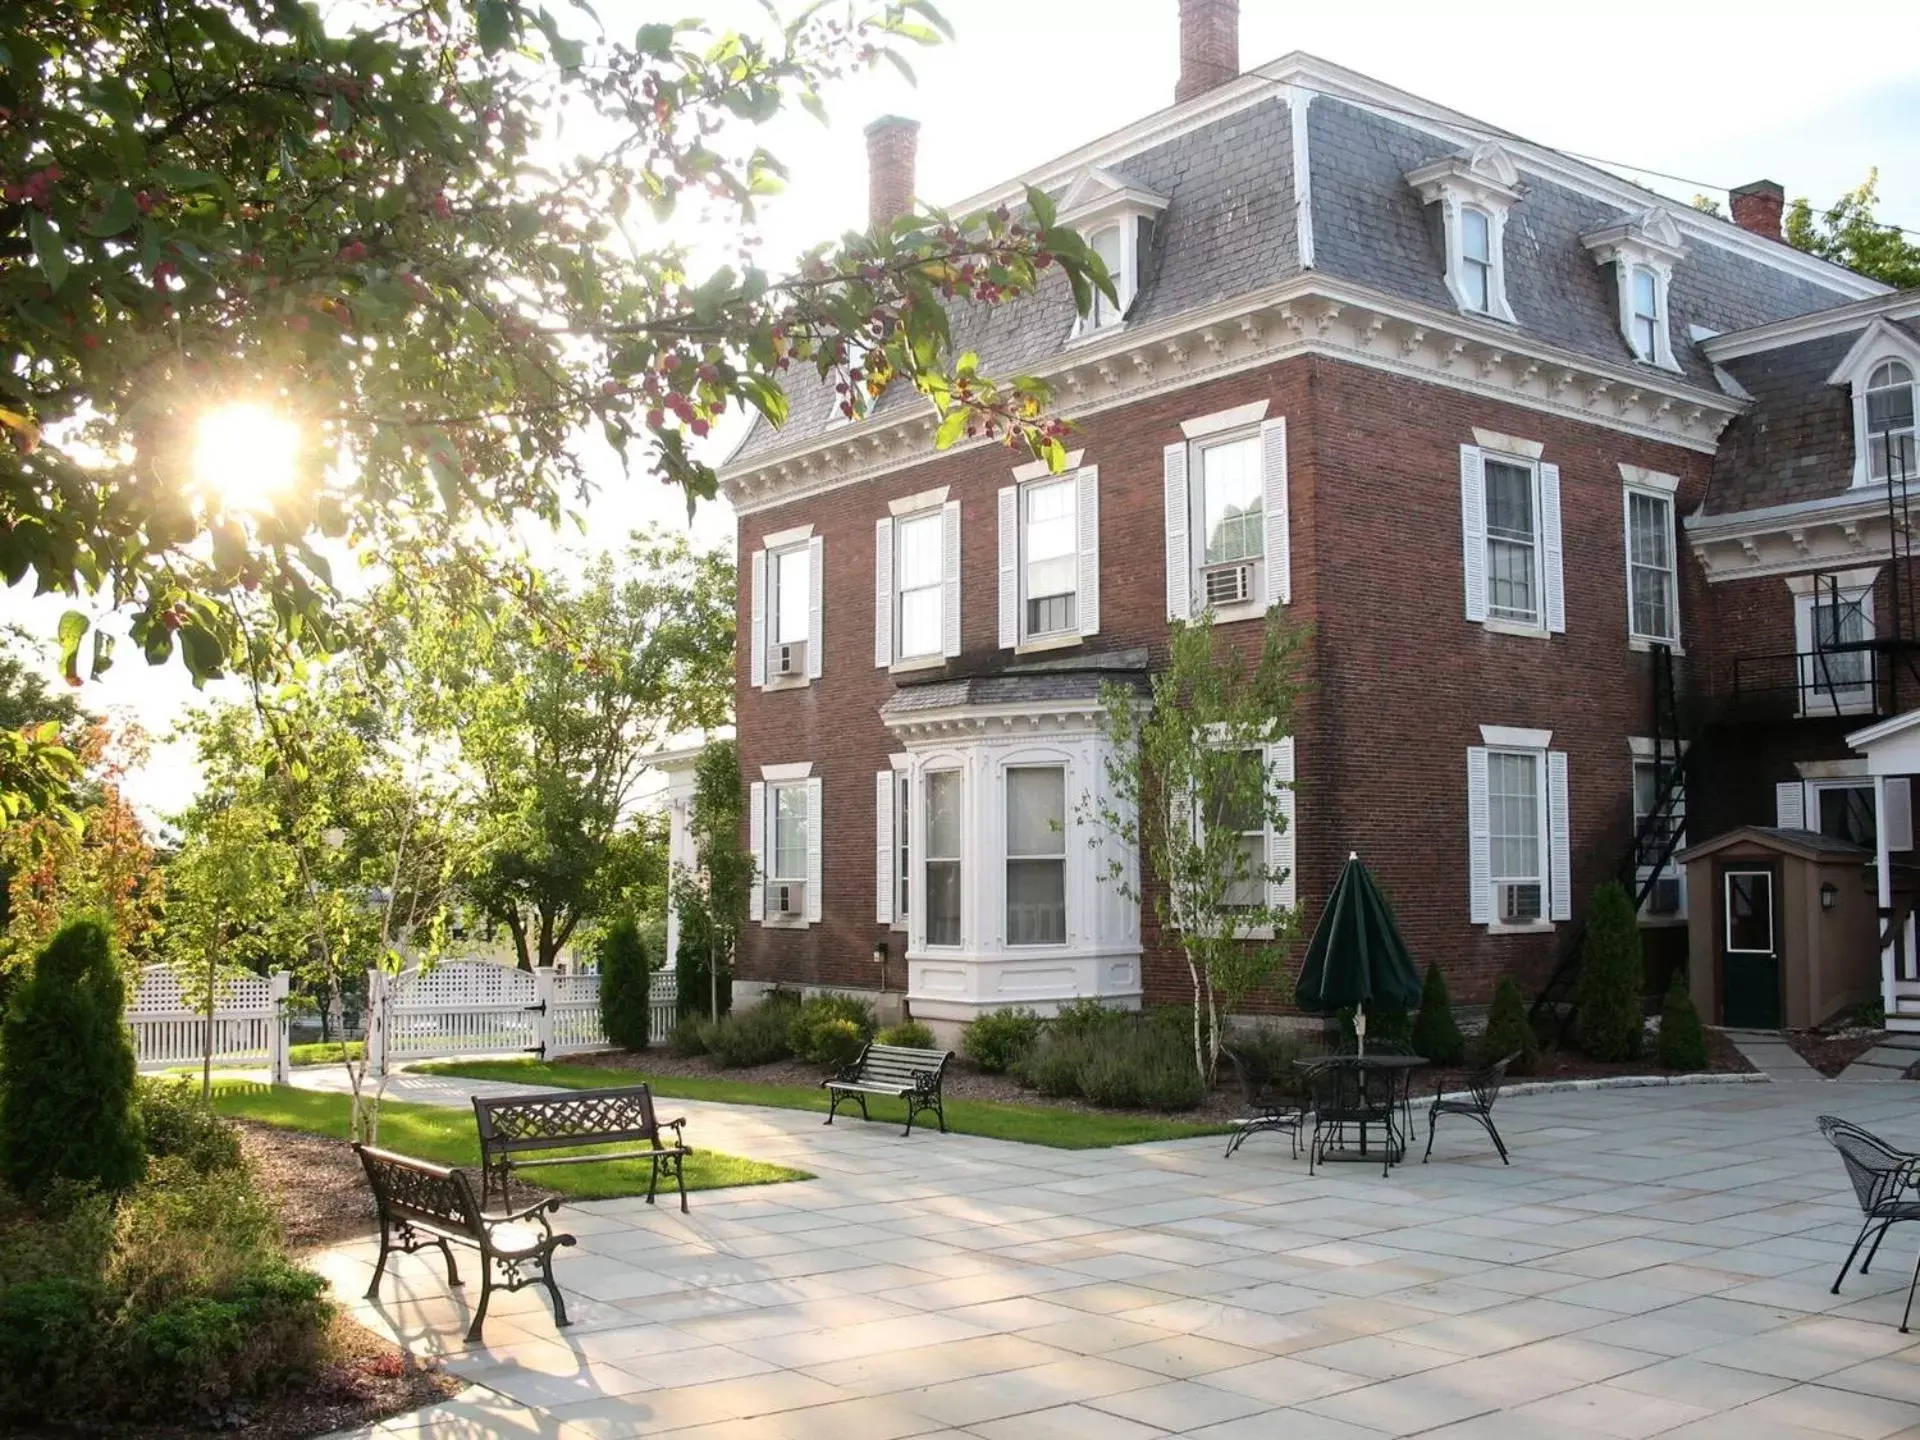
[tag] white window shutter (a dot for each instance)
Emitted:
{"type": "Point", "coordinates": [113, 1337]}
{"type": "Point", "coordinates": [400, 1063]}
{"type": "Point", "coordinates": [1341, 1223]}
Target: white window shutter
{"type": "Point", "coordinates": [950, 578]}
{"type": "Point", "coordinates": [1273, 475]}
{"type": "Point", "coordinates": [816, 605]}
{"type": "Point", "coordinates": [1087, 603]}
{"type": "Point", "coordinates": [1899, 814]}
{"type": "Point", "coordinates": [814, 827]}
{"type": "Point", "coordinates": [1790, 805]}
{"type": "Point", "coordinates": [883, 851]}
{"type": "Point", "coordinates": [1281, 847]}
{"type": "Point", "coordinates": [1559, 837]}
{"type": "Point", "coordinates": [757, 847]}
{"type": "Point", "coordinates": [1009, 566]}
{"type": "Point", "coordinates": [1179, 548]}
{"type": "Point", "coordinates": [1550, 558]}
{"type": "Point", "coordinates": [1479, 839]}
{"type": "Point", "coordinates": [1473, 531]}
{"type": "Point", "coordinates": [757, 632]}
{"type": "Point", "coordinates": [883, 592]}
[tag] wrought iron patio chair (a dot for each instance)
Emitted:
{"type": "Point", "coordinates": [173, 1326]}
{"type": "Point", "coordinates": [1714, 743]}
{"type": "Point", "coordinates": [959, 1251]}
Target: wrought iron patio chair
{"type": "Point", "coordinates": [1346, 1095]}
{"type": "Point", "coordinates": [1881, 1176]}
{"type": "Point", "coordinates": [1483, 1088]}
{"type": "Point", "coordinates": [1272, 1097]}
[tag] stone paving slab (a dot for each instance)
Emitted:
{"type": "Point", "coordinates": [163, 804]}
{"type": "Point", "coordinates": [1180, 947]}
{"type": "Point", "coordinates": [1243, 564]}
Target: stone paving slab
{"type": "Point", "coordinates": [1654, 1262]}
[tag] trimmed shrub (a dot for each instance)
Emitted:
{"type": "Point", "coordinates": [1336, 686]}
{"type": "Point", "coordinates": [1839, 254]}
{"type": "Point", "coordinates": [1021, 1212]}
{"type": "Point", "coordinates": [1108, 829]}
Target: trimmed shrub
{"type": "Point", "coordinates": [757, 1035]}
{"type": "Point", "coordinates": [1683, 1044]}
{"type": "Point", "coordinates": [1436, 1034]}
{"type": "Point", "coordinates": [1269, 1057]}
{"type": "Point", "coordinates": [67, 1071]}
{"type": "Point", "coordinates": [624, 984]}
{"type": "Point", "coordinates": [997, 1042]}
{"type": "Point", "coordinates": [179, 1124]}
{"type": "Point", "coordinates": [689, 1038]}
{"type": "Point", "coordinates": [1086, 1017]}
{"type": "Point", "coordinates": [1051, 1065]}
{"type": "Point", "coordinates": [909, 1033]}
{"type": "Point", "coordinates": [1612, 1014]}
{"type": "Point", "coordinates": [1509, 1031]}
{"type": "Point", "coordinates": [1146, 1067]}
{"type": "Point", "coordinates": [808, 1031]}
{"type": "Point", "coordinates": [836, 1044]}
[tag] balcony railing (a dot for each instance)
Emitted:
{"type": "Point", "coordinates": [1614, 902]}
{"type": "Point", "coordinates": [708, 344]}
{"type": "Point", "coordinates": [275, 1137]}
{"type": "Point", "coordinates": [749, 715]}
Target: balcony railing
{"type": "Point", "coordinates": [1809, 684]}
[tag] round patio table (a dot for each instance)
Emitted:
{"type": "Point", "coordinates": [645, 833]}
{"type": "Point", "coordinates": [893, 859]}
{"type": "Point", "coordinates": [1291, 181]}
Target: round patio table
{"type": "Point", "coordinates": [1396, 1074]}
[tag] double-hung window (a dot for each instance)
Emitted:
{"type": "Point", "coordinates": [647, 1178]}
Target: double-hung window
{"type": "Point", "coordinates": [1049, 557]}
{"type": "Point", "coordinates": [1037, 855]}
{"type": "Point", "coordinates": [1476, 259]}
{"type": "Point", "coordinates": [1238, 809]}
{"type": "Point", "coordinates": [1517, 811]}
{"type": "Point", "coordinates": [1518, 827]}
{"type": "Point", "coordinates": [917, 575]}
{"type": "Point", "coordinates": [1890, 423]}
{"type": "Point", "coordinates": [1652, 613]}
{"type": "Point", "coordinates": [1643, 326]}
{"type": "Point", "coordinates": [784, 839]}
{"type": "Point", "coordinates": [1666, 899]}
{"type": "Point", "coordinates": [792, 600]}
{"type": "Point", "coordinates": [1232, 519]}
{"type": "Point", "coordinates": [1227, 523]}
{"type": "Point", "coordinates": [789, 834]}
{"type": "Point", "coordinates": [1836, 671]}
{"type": "Point", "coordinates": [1513, 543]}
{"type": "Point", "coordinates": [941, 856]}
{"type": "Point", "coordinates": [786, 605]}
{"type": "Point", "coordinates": [1109, 243]}
{"type": "Point", "coordinates": [1510, 526]}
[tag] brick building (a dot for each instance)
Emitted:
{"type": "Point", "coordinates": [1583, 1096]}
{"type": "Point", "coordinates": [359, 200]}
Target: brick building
{"type": "Point", "coordinates": [1461, 404]}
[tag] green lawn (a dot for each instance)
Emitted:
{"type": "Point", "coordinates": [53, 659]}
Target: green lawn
{"type": "Point", "coordinates": [325, 1052]}
{"type": "Point", "coordinates": [446, 1136]}
{"type": "Point", "coordinates": [1028, 1124]}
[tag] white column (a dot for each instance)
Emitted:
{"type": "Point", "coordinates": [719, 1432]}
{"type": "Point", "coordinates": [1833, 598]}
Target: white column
{"type": "Point", "coordinates": [1883, 883]}
{"type": "Point", "coordinates": [280, 986]}
{"type": "Point", "coordinates": [376, 1063]}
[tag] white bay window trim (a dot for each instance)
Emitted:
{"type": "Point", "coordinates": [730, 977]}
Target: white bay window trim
{"type": "Point", "coordinates": [1482, 542]}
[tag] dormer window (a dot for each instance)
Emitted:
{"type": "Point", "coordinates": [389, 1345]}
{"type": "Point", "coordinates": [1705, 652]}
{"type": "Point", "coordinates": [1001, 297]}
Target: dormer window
{"type": "Point", "coordinates": [1473, 193]}
{"type": "Point", "coordinates": [1642, 251]}
{"type": "Point", "coordinates": [1879, 373]}
{"type": "Point", "coordinates": [1116, 219]}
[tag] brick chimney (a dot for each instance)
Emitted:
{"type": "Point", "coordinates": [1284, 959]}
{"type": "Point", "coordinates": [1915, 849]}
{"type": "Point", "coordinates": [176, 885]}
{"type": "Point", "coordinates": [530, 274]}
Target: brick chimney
{"type": "Point", "coordinates": [1209, 46]}
{"type": "Point", "coordinates": [891, 143]}
{"type": "Point", "coordinates": [1757, 207]}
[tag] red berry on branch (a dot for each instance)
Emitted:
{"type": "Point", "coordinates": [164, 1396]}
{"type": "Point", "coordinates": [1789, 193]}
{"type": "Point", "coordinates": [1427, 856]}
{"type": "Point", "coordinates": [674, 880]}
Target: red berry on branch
{"type": "Point", "coordinates": [700, 427]}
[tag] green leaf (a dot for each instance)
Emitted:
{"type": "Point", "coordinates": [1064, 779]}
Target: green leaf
{"type": "Point", "coordinates": [73, 629]}
{"type": "Point", "coordinates": [655, 40]}
{"type": "Point", "coordinates": [102, 653]}
{"type": "Point", "coordinates": [48, 248]}
{"type": "Point", "coordinates": [119, 215]}
{"type": "Point", "coordinates": [951, 429]}
{"type": "Point", "coordinates": [494, 22]}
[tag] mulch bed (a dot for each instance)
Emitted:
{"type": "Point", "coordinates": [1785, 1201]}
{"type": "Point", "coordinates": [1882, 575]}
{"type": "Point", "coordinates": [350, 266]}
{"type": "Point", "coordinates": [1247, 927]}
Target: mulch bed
{"type": "Point", "coordinates": [1831, 1051]}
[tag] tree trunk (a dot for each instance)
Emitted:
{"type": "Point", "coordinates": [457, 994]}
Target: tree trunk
{"type": "Point", "coordinates": [206, 1038]}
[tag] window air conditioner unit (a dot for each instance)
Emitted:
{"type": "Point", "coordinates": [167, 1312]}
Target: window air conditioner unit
{"type": "Point", "coordinates": [786, 899]}
{"type": "Point", "coordinates": [1519, 902]}
{"type": "Point", "coordinates": [1664, 898]}
{"type": "Point", "coordinates": [1228, 584]}
{"type": "Point", "coordinates": [790, 659]}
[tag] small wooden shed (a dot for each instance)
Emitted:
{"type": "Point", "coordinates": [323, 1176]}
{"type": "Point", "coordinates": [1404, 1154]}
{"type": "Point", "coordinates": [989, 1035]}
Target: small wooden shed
{"type": "Point", "coordinates": [1781, 930]}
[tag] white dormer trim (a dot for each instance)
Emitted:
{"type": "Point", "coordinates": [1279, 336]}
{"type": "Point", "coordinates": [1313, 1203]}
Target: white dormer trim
{"type": "Point", "coordinates": [1040, 469]}
{"type": "Point", "coordinates": [1098, 194]}
{"type": "Point", "coordinates": [1484, 179]}
{"type": "Point", "coordinates": [1096, 201]}
{"type": "Point", "coordinates": [1649, 241]}
{"type": "Point", "coordinates": [1878, 343]}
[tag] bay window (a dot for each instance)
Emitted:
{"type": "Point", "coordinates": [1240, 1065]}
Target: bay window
{"type": "Point", "coordinates": [1037, 855]}
{"type": "Point", "coordinates": [942, 848]}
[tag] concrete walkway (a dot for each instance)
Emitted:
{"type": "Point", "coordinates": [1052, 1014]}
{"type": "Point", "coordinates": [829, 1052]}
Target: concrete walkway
{"type": "Point", "coordinates": [1654, 1262]}
{"type": "Point", "coordinates": [1889, 1060]}
{"type": "Point", "coordinates": [1770, 1054]}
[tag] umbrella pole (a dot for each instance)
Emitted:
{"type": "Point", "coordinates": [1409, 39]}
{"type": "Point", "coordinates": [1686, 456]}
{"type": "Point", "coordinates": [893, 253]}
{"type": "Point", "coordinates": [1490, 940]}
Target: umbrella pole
{"type": "Point", "coordinates": [1360, 1028]}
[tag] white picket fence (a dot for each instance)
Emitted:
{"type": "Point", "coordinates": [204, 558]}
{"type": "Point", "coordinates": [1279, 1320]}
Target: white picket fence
{"type": "Point", "coordinates": [249, 1022]}
{"type": "Point", "coordinates": [662, 1005]}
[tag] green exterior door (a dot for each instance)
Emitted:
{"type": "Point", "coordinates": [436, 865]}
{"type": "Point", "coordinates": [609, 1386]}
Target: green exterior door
{"type": "Point", "coordinates": [1750, 948]}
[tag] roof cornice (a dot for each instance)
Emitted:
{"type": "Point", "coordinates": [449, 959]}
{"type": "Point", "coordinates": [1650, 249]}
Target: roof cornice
{"type": "Point", "coordinates": [1311, 314]}
{"type": "Point", "coordinates": [1841, 320]}
{"type": "Point", "coordinates": [1820, 534]}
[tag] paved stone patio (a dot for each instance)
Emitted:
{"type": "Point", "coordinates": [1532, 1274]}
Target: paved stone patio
{"type": "Point", "coordinates": [1655, 1262]}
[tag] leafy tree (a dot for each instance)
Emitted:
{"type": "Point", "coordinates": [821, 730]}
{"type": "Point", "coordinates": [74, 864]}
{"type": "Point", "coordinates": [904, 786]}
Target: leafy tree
{"type": "Point", "coordinates": [1509, 1031]}
{"type": "Point", "coordinates": [1683, 1044]}
{"type": "Point", "coordinates": [1611, 980]}
{"type": "Point", "coordinates": [25, 699]}
{"type": "Point", "coordinates": [551, 711]}
{"type": "Point", "coordinates": [67, 1108]}
{"type": "Point", "coordinates": [713, 896]}
{"type": "Point", "coordinates": [624, 999]}
{"type": "Point", "coordinates": [1436, 1034]}
{"type": "Point", "coordinates": [1849, 233]}
{"type": "Point", "coordinates": [364, 235]}
{"type": "Point", "coordinates": [1185, 777]}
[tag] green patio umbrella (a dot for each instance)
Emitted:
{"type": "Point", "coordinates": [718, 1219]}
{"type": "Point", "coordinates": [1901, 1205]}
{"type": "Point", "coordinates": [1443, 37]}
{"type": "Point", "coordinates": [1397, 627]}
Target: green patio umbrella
{"type": "Point", "coordinates": [1356, 957]}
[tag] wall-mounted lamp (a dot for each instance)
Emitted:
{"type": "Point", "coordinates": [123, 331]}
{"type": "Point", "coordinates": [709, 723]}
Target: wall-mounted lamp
{"type": "Point", "coordinates": [880, 959]}
{"type": "Point", "coordinates": [1828, 893]}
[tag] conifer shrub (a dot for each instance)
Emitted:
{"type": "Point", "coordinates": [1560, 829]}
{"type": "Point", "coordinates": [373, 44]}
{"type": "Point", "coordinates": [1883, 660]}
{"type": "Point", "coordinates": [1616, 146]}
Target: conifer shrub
{"type": "Point", "coordinates": [1509, 1031]}
{"type": "Point", "coordinates": [1436, 1034]}
{"type": "Point", "coordinates": [67, 1072]}
{"type": "Point", "coordinates": [624, 984]}
{"type": "Point", "coordinates": [1612, 1014]}
{"type": "Point", "coordinates": [1683, 1044]}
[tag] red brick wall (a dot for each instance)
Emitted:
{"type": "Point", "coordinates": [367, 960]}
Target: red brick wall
{"type": "Point", "coordinates": [1399, 681]}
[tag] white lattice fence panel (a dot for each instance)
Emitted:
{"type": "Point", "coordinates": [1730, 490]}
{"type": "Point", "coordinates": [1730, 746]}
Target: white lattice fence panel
{"type": "Point", "coordinates": [574, 1015]}
{"type": "Point", "coordinates": [662, 1006]}
{"type": "Point", "coordinates": [458, 1008]}
{"type": "Point", "coordinates": [168, 1031]}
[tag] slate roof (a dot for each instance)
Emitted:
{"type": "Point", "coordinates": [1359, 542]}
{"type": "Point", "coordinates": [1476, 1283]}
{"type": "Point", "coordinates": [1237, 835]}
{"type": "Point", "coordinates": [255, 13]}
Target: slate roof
{"type": "Point", "coordinates": [1229, 230]}
{"type": "Point", "coordinates": [1795, 442]}
{"type": "Point", "coordinates": [1073, 678]}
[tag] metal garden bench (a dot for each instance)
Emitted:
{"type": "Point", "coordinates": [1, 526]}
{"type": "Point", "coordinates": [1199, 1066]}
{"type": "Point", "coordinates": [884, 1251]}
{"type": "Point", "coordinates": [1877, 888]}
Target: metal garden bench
{"type": "Point", "coordinates": [910, 1074]}
{"type": "Point", "coordinates": [1886, 1182]}
{"type": "Point", "coordinates": [422, 1204]}
{"type": "Point", "coordinates": [1272, 1099]}
{"type": "Point", "coordinates": [514, 1125]}
{"type": "Point", "coordinates": [1483, 1088]}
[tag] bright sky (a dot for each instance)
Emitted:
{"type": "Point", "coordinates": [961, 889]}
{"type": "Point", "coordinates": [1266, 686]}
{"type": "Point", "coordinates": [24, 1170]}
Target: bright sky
{"type": "Point", "coordinates": [1718, 94]}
